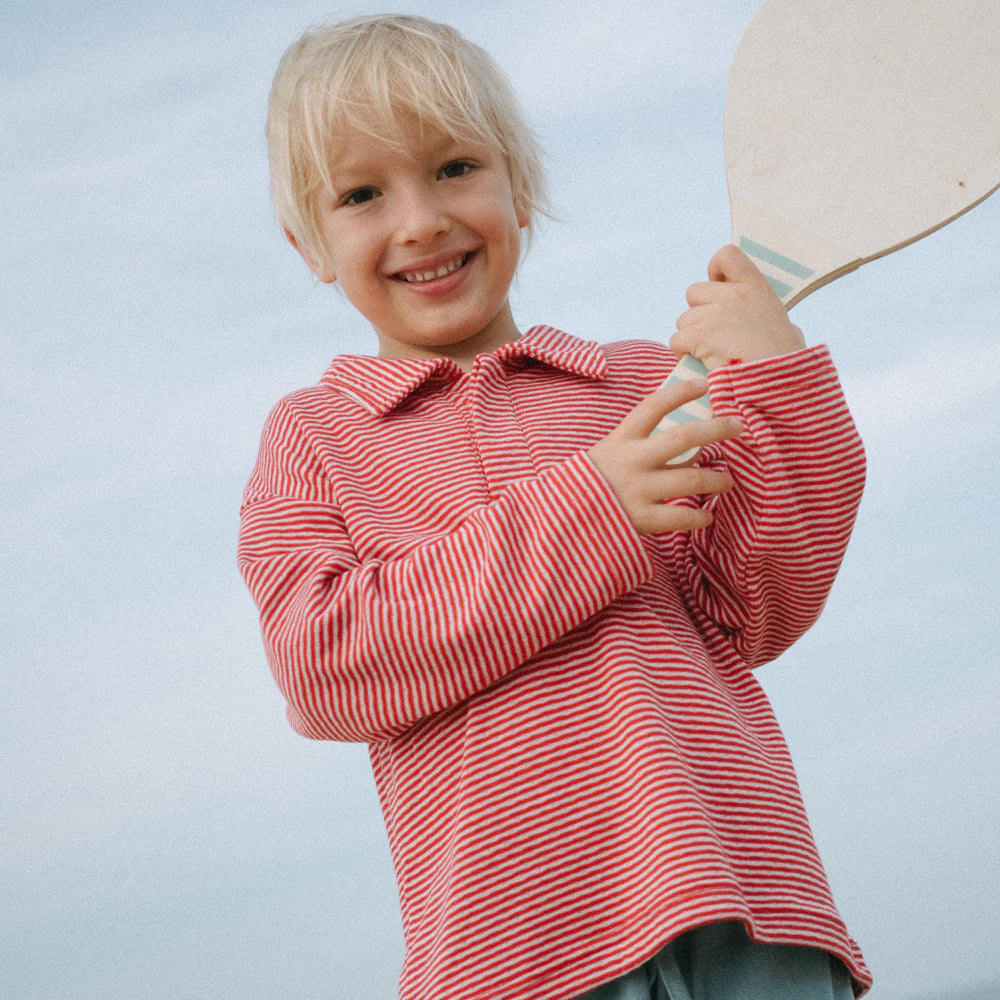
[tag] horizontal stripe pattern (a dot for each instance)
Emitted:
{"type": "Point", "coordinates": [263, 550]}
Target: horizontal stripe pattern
{"type": "Point", "coordinates": [574, 760]}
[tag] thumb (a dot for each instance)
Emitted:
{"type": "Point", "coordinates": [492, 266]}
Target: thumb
{"type": "Point", "coordinates": [731, 264]}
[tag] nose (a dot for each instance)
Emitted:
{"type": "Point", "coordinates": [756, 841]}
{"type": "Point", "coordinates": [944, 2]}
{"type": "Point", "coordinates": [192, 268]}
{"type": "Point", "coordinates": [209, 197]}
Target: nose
{"type": "Point", "coordinates": [420, 219]}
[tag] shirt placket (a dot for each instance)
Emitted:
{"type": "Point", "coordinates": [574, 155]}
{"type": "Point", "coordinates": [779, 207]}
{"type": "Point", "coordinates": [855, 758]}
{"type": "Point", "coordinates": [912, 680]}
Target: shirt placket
{"type": "Point", "coordinates": [496, 432]}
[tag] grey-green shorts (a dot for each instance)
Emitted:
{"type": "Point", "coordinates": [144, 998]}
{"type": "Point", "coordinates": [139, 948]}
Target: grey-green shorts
{"type": "Point", "coordinates": [721, 962]}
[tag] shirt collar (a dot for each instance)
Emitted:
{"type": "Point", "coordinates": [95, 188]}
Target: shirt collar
{"type": "Point", "coordinates": [381, 384]}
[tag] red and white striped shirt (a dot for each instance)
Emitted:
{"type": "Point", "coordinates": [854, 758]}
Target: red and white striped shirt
{"type": "Point", "coordinates": [574, 761]}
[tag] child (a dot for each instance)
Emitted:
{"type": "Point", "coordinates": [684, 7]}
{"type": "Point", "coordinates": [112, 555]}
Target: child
{"type": "Point", "coordinates": [462, 556]}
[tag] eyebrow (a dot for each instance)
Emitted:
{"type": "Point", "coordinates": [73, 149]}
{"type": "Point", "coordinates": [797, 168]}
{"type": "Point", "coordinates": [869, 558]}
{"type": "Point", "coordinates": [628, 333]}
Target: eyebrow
{"type": "Point", "coordinates": [347, 166]}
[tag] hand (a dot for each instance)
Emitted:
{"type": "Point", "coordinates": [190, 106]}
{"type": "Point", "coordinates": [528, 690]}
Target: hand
{"type": "Point", "coordinates": [633, 463]}
{"type": "Point", "coordinates": [735, 314]}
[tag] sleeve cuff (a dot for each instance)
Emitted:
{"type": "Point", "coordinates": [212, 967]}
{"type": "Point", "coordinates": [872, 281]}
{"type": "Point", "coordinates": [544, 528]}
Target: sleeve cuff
{"type": "Point", "coordinates": [782, 383]}
{"type": "Point", "coordinates": [599, 531]}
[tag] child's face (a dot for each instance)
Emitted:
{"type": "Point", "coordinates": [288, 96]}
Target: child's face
{"type": "Point", "coordinates": [424, 242]}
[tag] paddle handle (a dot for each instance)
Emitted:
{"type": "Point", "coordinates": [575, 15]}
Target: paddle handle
{"type": "Point", "coordinates": [792, 289]}
{"type": "Point", "coordinates": [688, 367]}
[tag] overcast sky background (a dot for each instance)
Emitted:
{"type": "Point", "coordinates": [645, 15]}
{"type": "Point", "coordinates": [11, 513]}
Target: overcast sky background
{"type": "Point", "coordinates": [164, 834]}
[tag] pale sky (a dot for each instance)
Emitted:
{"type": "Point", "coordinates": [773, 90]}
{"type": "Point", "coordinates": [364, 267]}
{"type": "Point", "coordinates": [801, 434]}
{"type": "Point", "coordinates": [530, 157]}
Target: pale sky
{"type": "Point", "coordinates": [165, 833]}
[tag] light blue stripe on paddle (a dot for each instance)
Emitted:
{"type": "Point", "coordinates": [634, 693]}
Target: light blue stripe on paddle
{"type": "Point", "coordinates": [683, 416]}
{"type": "Point", "coordinates": [689, 363]}
{"type": "Point", "coordinates": [780, 287]}
{"type": "Point", "coordinates": [764, 253]}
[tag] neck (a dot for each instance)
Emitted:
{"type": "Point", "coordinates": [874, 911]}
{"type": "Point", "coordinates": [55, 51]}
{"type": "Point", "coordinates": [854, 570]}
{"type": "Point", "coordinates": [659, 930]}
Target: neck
{"type": "Point", "coordinates": [499, 331]}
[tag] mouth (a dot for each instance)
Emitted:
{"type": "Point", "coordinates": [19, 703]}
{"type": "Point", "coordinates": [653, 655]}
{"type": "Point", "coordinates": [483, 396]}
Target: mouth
{"type": "Point", "coordinates": [423, 275]}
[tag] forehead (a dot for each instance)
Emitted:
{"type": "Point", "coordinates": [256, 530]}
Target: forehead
{"type": "Point", "coordinates": [357, 142]}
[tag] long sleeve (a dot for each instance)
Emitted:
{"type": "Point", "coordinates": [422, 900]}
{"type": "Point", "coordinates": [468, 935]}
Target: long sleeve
{"type": "Point", "coordinates": [362, 650]}
{"type": "Point", "coordinates": [573, 761]}
{"type": "Point", "coordinates": [762, 571]}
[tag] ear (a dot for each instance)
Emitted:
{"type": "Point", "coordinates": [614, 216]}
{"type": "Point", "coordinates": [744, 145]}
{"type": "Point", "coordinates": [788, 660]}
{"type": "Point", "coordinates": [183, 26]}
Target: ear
{"type": "Point", "coordinates": [522, 210]}
{"type": "Point", "coordinates": [319, 269]}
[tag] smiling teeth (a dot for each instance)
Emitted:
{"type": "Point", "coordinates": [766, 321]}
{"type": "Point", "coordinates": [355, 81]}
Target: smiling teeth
{"type": "Point", "coordinates": [431, 275]}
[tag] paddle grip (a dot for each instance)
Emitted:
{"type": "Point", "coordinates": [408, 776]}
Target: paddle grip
{"type": "Point", "coordinates": [688, 367]}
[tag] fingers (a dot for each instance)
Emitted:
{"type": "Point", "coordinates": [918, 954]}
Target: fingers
{"type": "Point", "coordinates": [656, 518]}
{"type": "Point", "coordinates": [735, 314]}
{"type": "Point", "coordinates": [672, 484]}
{"type": "Point", "coordinates": [728, 265]}
{"type": "Point", "coordinates": [643, 419]}
{"type": "Point", "coordinates": [691, 338]}
{"type": "Point", "coordinates": [656, 510]}
{"type": "Point", "coordinates": [702, 293]}
{"type": "Point", "coordinates": [731, 264]}
{"type": "Point", "coordinates": [692, 317]}
{"type": "Point", "coordinates": [676, 439]}
{"type": "Point", "coordinates": [635, 463]}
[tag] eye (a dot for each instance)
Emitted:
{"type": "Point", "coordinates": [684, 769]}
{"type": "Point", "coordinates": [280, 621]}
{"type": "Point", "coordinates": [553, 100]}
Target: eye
{"type": "Point", "coordinates": [359, 196]}
{"type": "Point", "coordinates": [457, 168]}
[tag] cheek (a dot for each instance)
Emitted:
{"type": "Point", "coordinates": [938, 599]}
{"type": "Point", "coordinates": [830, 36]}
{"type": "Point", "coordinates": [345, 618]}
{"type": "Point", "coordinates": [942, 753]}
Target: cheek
{"type": "Point", "coordinates": [505, 226]}
{"type": "Point", "coordinates": [357, 266]}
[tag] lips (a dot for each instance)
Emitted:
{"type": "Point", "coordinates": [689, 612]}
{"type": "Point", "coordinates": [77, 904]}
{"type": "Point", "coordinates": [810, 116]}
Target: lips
{"type": "Point", "coordinates": [426, 273]}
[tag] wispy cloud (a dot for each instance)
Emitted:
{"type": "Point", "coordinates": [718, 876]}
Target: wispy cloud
{"type": "Point", "coordinates": [571, 56]}
{"type": "Point", "coordinates": [937, 394]}
{"type": "Point", "coordinates": [152, 317]}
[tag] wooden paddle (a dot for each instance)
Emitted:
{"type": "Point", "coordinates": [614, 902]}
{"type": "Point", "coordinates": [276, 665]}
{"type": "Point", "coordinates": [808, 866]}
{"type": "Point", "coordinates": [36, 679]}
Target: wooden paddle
{"type": "Point", "coordinates": [852, 131]}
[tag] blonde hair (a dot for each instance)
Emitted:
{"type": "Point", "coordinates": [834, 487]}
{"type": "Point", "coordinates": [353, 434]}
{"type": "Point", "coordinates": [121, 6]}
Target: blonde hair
{"type": "Point", "coordinates": [373, 74]}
